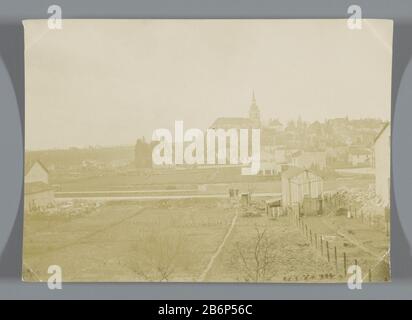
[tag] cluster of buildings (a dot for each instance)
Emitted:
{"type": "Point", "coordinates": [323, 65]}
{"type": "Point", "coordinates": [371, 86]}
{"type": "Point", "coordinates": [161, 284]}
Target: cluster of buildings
{"type": "Point", "coordinates": [300, 152]}
{"type": "Point", "coordinates": [302, 188]}
{"type": "Point", "coordinates": [335, 143]}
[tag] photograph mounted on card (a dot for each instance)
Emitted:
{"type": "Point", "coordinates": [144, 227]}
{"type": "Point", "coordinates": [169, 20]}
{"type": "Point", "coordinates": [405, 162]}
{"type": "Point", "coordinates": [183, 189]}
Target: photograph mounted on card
{"type": "Point", "coordinates": [207, 151]}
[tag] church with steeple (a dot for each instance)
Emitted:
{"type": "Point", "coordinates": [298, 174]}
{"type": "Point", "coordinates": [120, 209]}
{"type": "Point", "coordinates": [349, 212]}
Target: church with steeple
{"type": "Point", "coordinates": [268, 163]}
{"type": "Point", "coordinates": [251, 122]}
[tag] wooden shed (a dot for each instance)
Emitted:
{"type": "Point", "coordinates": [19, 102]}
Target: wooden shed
{"type": "Point", "coordinates": [37, 196]}
{"type": "Point", "coordinates": [299, 185]}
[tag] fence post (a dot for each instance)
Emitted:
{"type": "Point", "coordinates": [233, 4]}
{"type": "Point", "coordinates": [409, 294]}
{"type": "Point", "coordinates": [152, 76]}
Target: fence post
{"type": "Point", "coordinates": [336, 259]}
{"type": "Point", "coordinates": [321, 246]}
{"type": "Point", "coordinates": [311, 241]}
{"type": "Point", "coordinates": [370, 275]}
{"type": "Point", "coordinates": [327, 250]}
{"type": "Point", "coordinates": [316, 240]}
{"type": "Point", "coordinates": [344, 264]}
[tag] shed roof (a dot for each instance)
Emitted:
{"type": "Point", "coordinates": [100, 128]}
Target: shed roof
{"type": "Point", "coordinates": [29, 164]}
{"type": "Point", "coordinates": [294, 171]}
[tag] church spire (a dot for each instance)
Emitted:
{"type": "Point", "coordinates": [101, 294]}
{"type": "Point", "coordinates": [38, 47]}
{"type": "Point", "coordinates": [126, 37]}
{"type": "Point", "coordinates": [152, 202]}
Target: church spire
{"type": "Point", "coordinates": [254, 113]}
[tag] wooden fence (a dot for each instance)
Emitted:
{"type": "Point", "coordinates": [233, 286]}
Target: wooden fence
{"type": "Point", "coordinates": [334, 255]}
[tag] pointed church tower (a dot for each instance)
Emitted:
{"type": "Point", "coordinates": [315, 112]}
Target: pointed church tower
{"type": "Point", "coordinates": [254, 113]}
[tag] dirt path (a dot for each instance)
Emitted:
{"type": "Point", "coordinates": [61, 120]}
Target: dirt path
{"type": "Point", "coordinates": [209, 266]}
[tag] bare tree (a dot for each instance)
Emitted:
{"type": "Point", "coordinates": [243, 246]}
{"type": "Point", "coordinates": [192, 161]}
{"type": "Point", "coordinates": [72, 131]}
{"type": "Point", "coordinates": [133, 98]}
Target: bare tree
{"type": "Point", "coordinates": [257, 259]}
{"type": "Point", "coordinates": [157, 256]}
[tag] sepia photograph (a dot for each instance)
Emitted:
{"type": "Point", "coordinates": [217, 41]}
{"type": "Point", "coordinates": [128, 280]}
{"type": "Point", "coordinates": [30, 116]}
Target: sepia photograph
{"type": "Point", "coordinates": [200, 150]}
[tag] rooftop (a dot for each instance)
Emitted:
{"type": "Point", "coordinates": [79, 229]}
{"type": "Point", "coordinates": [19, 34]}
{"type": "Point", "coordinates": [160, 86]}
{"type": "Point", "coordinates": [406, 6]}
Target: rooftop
{"type": "Point", "coordinates": [30, 163]}
{"type": "Point", "coordinates": [234, 122]}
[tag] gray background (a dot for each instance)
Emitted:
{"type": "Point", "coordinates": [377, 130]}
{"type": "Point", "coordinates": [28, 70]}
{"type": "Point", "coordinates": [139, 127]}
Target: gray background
{"type": "Point", "coordinates": [11, 144]}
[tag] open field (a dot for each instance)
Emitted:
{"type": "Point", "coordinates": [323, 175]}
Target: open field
{"type": "Point", "coordinates": [123, 242]}
{"type": "Point", "coordinates": [177, 240]}
{"type": "Point", "coordinates": [283, 255]}
{"type": "Point", "coordinates": [294, 256]}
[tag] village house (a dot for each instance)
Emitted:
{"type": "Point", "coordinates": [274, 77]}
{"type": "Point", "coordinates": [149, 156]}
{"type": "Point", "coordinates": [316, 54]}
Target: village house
{"type": "Point", "coordinates": [36, 172]}
{"type": "Point", "coordinates": [228, 123]}
{"type": "Point", "coordinates": [309, 159]}
{"type": "Point", "coordinates": [38, 194]}
{"type": "Point", "coordinates": [359, 156]}
{"type": "Point", "coordinates": [337, 156]}
{"type": "Point", "coordinates": [382, 162]}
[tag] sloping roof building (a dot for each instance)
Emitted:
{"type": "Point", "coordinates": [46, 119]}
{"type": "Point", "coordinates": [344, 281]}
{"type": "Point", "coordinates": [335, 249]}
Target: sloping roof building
{"type": "Point", "coordinates": [36, 172]}
{"type": "Point", "coordinates": [309, 159]}
{"type": "Point", "coordinates": [232, 123]}
{"type": "Point", "coordinates": [38, 194]}
{"type": "Point", "coordinates": [299, 183]}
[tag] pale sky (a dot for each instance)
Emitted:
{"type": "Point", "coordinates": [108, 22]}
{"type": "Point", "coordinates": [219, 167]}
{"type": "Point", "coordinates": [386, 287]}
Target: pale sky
{"type": "Point", "coordinates": [107, 82]}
